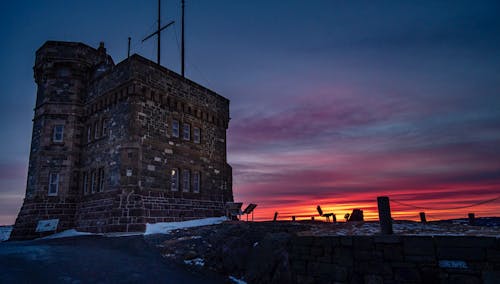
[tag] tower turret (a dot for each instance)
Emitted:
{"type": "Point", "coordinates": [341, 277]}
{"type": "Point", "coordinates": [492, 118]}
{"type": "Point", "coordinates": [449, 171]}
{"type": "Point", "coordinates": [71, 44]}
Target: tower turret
{"type": "Point", "coordinates": [62, 72]}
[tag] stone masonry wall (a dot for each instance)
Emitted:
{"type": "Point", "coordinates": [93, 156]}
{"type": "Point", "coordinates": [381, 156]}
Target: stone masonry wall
{"type": "Point", "coordinates": [395, 259]}
{"type": "Point", "coordinates": [129, 210]}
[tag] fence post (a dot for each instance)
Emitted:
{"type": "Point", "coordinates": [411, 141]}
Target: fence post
{"type": "Point", "coordinates": [472, 218]}
{"type": "Point", "coordinates": [422, 217]}
{"type": "Point", "coordinates": [275, 216]}
{"type": "Point", "coordinates": [384, 215]}
{"type": "Point", "coordinates": [293, 218]}
{"type": "Point", "coordinates": [312, 218]}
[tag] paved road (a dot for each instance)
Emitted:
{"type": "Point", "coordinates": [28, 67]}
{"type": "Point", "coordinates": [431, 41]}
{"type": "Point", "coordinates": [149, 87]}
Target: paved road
{"type": "Point", "coordinates": [91, 259]}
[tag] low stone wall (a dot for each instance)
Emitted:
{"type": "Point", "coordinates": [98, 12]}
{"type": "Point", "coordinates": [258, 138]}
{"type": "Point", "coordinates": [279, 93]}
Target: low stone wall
{"type": "Point", "coordinates": [395, 259]}
{"type": "Point", "coordinates": [130, 210]}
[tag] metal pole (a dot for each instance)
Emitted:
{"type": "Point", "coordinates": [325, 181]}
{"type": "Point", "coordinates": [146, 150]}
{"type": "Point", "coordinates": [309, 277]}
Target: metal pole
{"type": "Point", "coordinates": [182, 40]}
{"type": "Point", "coordinates": [128, 50]}
{"type": "Point", "coordinates": [159, 33]}
{"type": "Point", "coordinates": [384, 215]}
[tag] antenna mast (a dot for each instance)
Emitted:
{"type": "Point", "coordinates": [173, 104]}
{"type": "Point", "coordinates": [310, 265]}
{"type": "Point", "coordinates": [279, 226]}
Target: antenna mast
{"type": "Point", "coordinates": [158, 52]}
{"type": "Point", "coordinates": [158, 32]}
{"type": "Point", "coordinates": [182, 39]}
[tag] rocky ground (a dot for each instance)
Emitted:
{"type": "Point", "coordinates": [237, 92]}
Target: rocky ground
{"type": "Point", "coordinates": [257, 251]}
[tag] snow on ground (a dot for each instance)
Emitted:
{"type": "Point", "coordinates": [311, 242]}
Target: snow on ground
{"type": "Point", "coordinates": [165, 228]}
{"type": "Point", "coordinates": [236, 280]}
{"type": "Point", "coordinates": [197, 261]}
{"type": "Point", "coordinates": [67, 234]}
{"type": "Point", "coordinates": [5, 232]}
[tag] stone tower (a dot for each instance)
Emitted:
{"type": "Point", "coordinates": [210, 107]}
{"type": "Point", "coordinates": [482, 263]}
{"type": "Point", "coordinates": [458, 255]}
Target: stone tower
{"type": "Point", "coordinates": [117, 146]}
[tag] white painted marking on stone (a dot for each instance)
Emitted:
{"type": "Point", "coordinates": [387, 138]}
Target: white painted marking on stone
{"type": "Point", "coordinates": [151, 168]}
{"type": "Point", "coordinates": [129, 172]}
{"type": "Point", "coordinates": [169, 151]}
{"type": "Point", "coordinates": [216, 171]}
{"type": "Point", "coordinates": [157, 159]}
{"type": "Point", "coordinates": [47, 225]}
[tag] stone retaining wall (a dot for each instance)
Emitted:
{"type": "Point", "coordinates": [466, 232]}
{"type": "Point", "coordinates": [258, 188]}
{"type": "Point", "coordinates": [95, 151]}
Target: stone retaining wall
{"type": "Point", "coordinates": [395, 259]}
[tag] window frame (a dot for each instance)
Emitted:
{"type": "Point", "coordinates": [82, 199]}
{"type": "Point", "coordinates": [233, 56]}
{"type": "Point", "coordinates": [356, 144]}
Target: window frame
{"type": "Point", "coordinates": [96, 130]}
{"type": "Point", "coordinates": [174, 179]}
{"type": "Point", "coordinates": [92, 182]}
{"type": "Point", "coordinates": [196, 135]}
{"type": "Point", "coordinates": [55, 133]}
{"type": "Point", "coordinates": [100, 185]}
{"type": "Point", "coordinates": [53, 182]}
{"type": "Point", "coordinates": [186, 180]}
{"type": "Point", "coordinates": [175, 128]}
{"type": "Point", "coordinates": [196, 182]}
{"type": "Point", "coordinates": [186, 131]}
{"type": "Point", "coordinates": [85, 183]}
{"type": "Point", "coordinates": [104, 128]}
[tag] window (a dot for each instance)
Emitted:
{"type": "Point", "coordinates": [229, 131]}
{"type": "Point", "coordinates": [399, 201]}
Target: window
{"type": "Point", "coordinates": [96, 130]}
{"type": "Point", "coordinates": [196, 135]}
{"type": "Point", "coordinates": [85, 183]}
{"type": "Point", "coordinates": [186, 131]}
{"type": "Point", "coordinates": [174, 180]}
{"type": "Point", "coordinates": [89, 134]}
{"type": "Point", "coordinates": [101, 180]}
{"type": "Point", "coordinates": [53, 184]}
{"type": "Point", "coordinates": [58, 133]}
{"type": "Point", "coordinates": [196, 182]}
{"type": "Point", "coordinates": [185, 180]}
{"type": "Point", "coordinates": [104, 131]}
{"type": "Point", "coordinates": [175, 128]}
{"type": "Point", "coordinates": [92, 182]}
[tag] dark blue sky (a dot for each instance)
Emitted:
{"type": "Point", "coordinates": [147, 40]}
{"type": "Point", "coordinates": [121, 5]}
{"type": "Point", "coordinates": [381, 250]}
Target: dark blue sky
{"type": "Point", "coordinates": [351, 97]}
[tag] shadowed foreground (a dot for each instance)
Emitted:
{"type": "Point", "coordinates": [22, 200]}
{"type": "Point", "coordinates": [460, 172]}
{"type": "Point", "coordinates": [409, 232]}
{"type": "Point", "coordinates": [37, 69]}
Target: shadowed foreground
{"type": "Point", "coordinates": [91, 259]}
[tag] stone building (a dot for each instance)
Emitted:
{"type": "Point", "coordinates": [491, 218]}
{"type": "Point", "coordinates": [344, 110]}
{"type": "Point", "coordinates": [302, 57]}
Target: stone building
{"type": "Point", "coordinates": [117, 146]}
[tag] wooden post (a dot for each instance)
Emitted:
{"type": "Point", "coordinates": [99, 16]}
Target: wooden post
{"type": "Point", "coordinates": [312, 218]}
{"type": "Point", "coordinates": [472, 218]}
{"type": "Point", "coordinates": [334, 218]}
{"type": "Point", "coordinates": [275, 216]}
{"type": "Point", "coordinates": [422, 217]}
{"type": "Point", "coordinates": [384, 215]}
{"type": "Point", "coordinates": [293, 218]}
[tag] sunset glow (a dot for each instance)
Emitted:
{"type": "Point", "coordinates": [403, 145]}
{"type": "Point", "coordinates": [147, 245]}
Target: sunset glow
{"type": "Point", "coordinates": [326, 109]}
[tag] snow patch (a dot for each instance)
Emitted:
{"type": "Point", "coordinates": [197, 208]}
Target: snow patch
{"type": "Point", "coordinates": [67, 234]}
{"type": "Point", "coordinates": [196, 261]}
{"type": "Point", "coordinates": [5, 233]}
{"type": "Point", "coordinates": [165, 228]}
{"type": "Point", "coordinates": [236, 280]}
{"type": "Point", "coordinates": [453, 264]}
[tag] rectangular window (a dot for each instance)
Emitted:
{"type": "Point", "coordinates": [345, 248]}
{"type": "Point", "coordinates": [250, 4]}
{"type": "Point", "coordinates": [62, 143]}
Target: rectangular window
{"type": "Point", "coordinates": [101, 180]}
{"type": "Point", "coordinates": [58, 133]}
{"type": "Point", "coordinates": [185, 181]}
{"type": "Point", "coordinates": [85, 183]}
{"type": "Point", "coordinates": [104, 131]}
{"type": "Point", "coordinates": [196, 135]}
{"type": "Point", "coordinates": [186, 131]}
{"type": "Point", "coordinates": [174, 180]}
{"type": "Point", "coordinates": [92, 182]}
{"type": "Point", "coordinates": [196, 182]}
{"type": "Point", "coordinates": [175, 128]}
{"type": "Point", "coordinates": [53, 184]}
{"type": "Point", "coordinates": [89, 134]}
{"type": "Point", "coordinates": [96, 130]}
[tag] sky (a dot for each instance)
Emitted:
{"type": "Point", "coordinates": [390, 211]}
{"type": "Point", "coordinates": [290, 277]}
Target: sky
{"type": "Point", "coordinates": [333, 103]}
